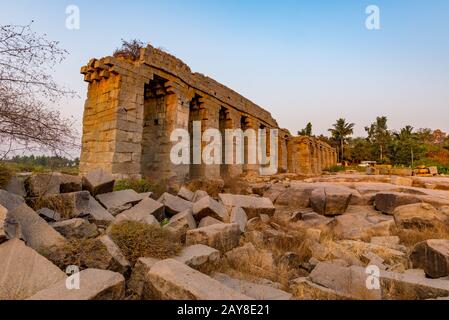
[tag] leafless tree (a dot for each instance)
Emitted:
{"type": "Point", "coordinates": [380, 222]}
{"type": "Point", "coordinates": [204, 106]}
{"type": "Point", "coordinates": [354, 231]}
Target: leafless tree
{"type": "Point", "coordinates": [129, 50]}
{"type": "Point", "coordinates": [27, 60]}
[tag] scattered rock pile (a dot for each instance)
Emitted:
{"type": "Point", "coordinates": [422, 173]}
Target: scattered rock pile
{"type": "Point", "coordinates": [282, 239]}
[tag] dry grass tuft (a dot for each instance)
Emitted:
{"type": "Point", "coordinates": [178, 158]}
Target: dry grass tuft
{"type": "Point", "coordinates": [212, 187]}
{"type": "Point", "coordinates": [395, 291]}
{"type": "Point", "coordinates": [57, 202]}
{"type": "Point", "coordinates": [254, 267]}
{"type": "Point", "coordinates": [5, 175]}
{"type": "Point", "coordinates": [138, 240]}
{"type": "Point", "coordinates": [237, 186]}
{"type": "Point", "coordinates": [315, 292]}
{"type": "Point", "coordinates": [265, 261]}
{"type": "Point", "coordinates": [410, 237]}
{"type": "Point", "coordinates": [79, 252]}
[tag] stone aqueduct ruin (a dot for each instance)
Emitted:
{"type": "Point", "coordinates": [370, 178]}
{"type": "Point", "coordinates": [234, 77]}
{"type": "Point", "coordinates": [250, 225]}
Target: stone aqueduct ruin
{"type": "Point", "coordinates": [133, 106]}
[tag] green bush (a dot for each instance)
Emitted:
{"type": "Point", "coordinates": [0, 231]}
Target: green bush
{"type": "Point", "coordinates": [141, 185]}
{"type": "Point", "coordinates": [443, 169]}
{"type": "Point", "coordinates": [337, 168]}
{"type": "Point", "coordinates": [138, 185]}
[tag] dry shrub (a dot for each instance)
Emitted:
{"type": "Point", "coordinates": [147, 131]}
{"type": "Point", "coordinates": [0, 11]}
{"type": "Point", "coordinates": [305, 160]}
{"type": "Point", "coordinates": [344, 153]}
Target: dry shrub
{"type": "Point", "coordinates": [395, 291]}
{"type": "Point", "coordinates": [306, 292]}
{"type": "Point", "coordinates": [5, 175]}
{"type": "Point", "coordinates": [254, 267]}
{"type": "Point", "coordinates": [130, 50]}
{"type": "Point", "coordinates": [410, 237]}
{"type": "Point", "coordinates": [57, 202]}
{"type": "Point", "coordinates": [138, 240]}
{"type": "Point", "coordinates": [257, 265]}
{"type": "Point", "coordinates": [237, 186]}
{"type": "Point", "coordinates": [212, 186]}
{"type": "Point", "coordinates": [79, 252]}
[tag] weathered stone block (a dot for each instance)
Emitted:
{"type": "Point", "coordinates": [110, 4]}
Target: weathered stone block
{"type": "Point", "coordinates": [253, 206]}
{"type": "Point", "coordinates": [182, 222]}
{"type": "Point", "coordinates": [208, 221]}
{"type": "Point", "coordinates": [16, 185]}
{"type": "Point", "coordinates": [10, 200]}
{"type": "Point", "coordinates": [174, 204]}
{"type": "Point", "coordinates": [199, 194]}
{"type": "Point", "coordinates": [186, 194]}
{"type": "Point", "coordinates": [351, 281]}
{"type": "Point", "coordinates": [238, 216]}
{"type": "Point", "coordinates": [94, 285]}
{"type": "Point", "coordinates": [40, 184]}
{"type": "Point", "coordinates": [330, 201]}
{"type": "Point", "coordinates": [223, 237]}
{"type": "Point", "coordinates": [172, 280]}
{"type": "Point", "coordinates": [199, 256]}
{"type": "Point", "coordinates": [402, 181]}
{"type": "Point", "coordinates": [37, 233]}
{"type": "Point", "coordinates": [23, 272]}
{"type": "Point", "coordinates": [387, 202]}
{"type": "Point", "coordinates": [136, 282]}
{"type": "Point", "coordinates": [419, 215]}
{"type": "Point", "coordinates": [97, 214]}
{"type": "Point", "coordinates": [253, 290]}
{"type": "Point", "coordinates": [98, 182]}
{"type": "Point", "coordinates": [433, 257]}
{"type": "Point", "coordinates": [209, 207]}
{"type": "Point", "coordinates": [146, 211]}
{"type": "Point", "coordinates": [49, 215]}
{"type": "Point", "coordinates": [115, 260]}
{"type": "Point", "coordinates": [75, 228]}
{"type": "Point", "coordinates": [119, 201]}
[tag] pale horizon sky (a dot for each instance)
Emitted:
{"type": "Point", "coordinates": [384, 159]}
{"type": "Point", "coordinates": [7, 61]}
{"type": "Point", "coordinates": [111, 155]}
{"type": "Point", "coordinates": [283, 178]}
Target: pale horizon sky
{"type": "Point", "coordinates": [300, 60]}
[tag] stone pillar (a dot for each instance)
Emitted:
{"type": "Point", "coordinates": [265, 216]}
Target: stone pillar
{"type": "Point", "coordinates": [313, 157]}
{"type": "Point", "coordinates": [233, 122]}
{"type": "Point", "coordinates": [99, 124]}
{"type": "Point", "coordinates": [328, 158]}
{"type": "Point", "coordinates": [211, 120]}
{"type": "Point", "coordinates": [318, 158]}
{"type": "Point", "coordinates": [301, 158]}
{"type": "Point", "coordinates": [250, 148]}
{"type": "Point", "coordinates": [113, 116]}
{"type": "Point", "coordinates": [282, 152]}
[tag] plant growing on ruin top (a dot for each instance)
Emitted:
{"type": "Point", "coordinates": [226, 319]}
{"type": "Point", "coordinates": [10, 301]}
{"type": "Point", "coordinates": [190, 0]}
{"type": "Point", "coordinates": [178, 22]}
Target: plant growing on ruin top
{"type": "Point", "coordinates": [130, 50]}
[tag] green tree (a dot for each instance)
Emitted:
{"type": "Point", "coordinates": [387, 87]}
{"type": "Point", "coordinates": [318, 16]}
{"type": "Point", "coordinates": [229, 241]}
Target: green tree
{"type": "Point", "coordinates": [340, 131]}
{"type": "Point", "coordinates": [405, 147]}
{"type": "Point", "coordinates": [361, 149]}
{"type": "Point", "coordinates": [379, 136]}
{"type": "Point", "coordinates": [307, 131]}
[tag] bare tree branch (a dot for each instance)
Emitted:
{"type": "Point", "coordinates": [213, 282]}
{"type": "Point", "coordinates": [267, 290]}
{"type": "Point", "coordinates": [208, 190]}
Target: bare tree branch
{"type": "Point", "coordinates": [27, 60]}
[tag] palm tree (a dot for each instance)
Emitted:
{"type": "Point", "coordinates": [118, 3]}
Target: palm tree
{"type": "Point", "coordinates": [340, 131]}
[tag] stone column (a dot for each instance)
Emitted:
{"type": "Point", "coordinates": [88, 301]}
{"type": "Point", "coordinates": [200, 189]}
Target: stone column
{"type": "Point", "coordinates": [251, 148]}
{"type": "Point", "coordinates": [112, 121]}
{"type": "Point", "coordinates": [233, 122]}
{"type": "Point", "coordinates": [282, 152]}
{"type": "Point", "coordinates": [302, 161]}
{"type": "Point", "coordinates": [211, 120]}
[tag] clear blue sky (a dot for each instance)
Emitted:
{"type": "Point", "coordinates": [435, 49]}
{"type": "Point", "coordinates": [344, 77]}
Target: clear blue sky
{"type": "Point", "coordinates": [301, 60]}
